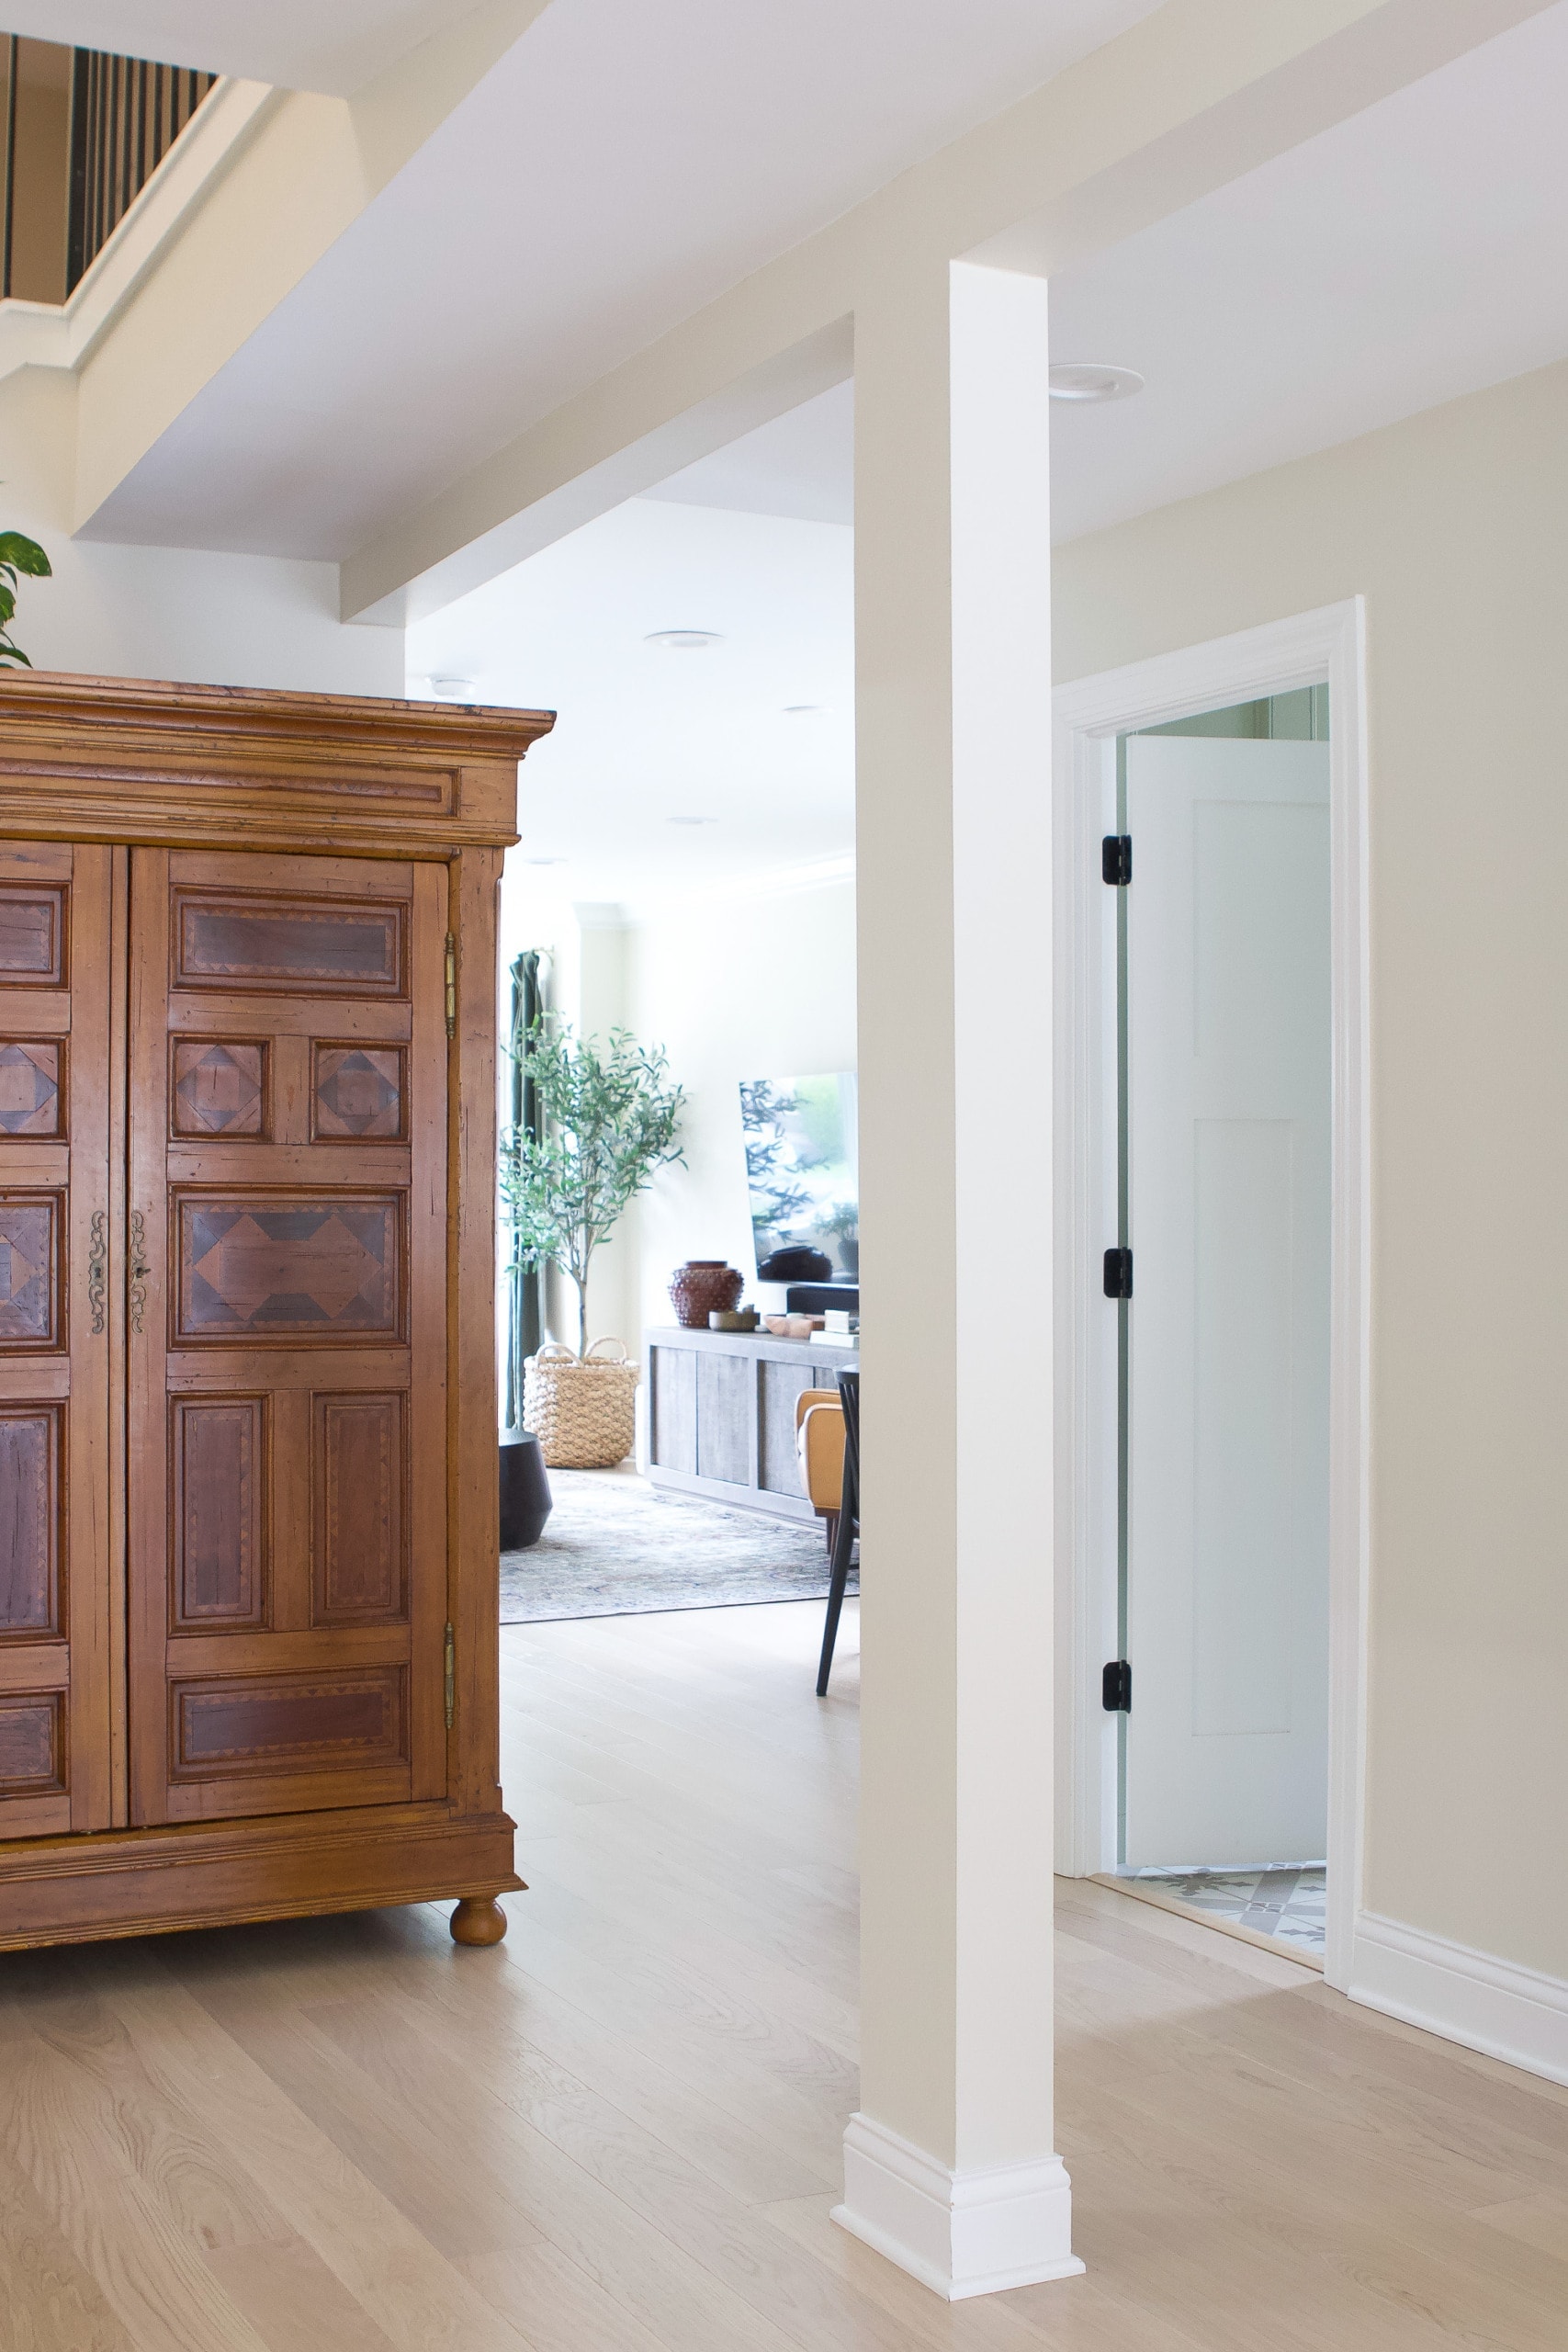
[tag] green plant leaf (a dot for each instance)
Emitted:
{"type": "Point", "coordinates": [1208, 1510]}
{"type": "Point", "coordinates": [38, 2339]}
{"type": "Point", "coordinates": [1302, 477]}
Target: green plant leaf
{"type": "Point", "coordinates": [25, 554]}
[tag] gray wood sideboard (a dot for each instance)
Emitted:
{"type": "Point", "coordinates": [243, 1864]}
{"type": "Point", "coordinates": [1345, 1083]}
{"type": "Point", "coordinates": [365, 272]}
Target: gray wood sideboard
{"type": "Point", "coordinates": [721, 1414]}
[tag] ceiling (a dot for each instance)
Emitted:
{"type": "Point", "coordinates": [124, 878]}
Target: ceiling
{"type": "Point", "coordinates": [619, 168]}
{"type": "Point", "coordinates": [295, 44]}
{"type": "Point", "coordinates": [1413, 254]}
{"type": "Point", "coordinates": [647, 734]}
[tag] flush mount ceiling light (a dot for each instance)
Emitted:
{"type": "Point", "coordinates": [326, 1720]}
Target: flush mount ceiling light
{"type": "Point", "coordinates": [1092, 379]}
{"type": "Point", "coordinates": [452, 689]}
{"type": "Point", "coordinates": [544, 861]}
{"type": "Point", "coordinates": [684, 641]}
{"type": "Point", "coordinates": [801, 709]}
{"type": "Point", "coordinates": [691, 820]}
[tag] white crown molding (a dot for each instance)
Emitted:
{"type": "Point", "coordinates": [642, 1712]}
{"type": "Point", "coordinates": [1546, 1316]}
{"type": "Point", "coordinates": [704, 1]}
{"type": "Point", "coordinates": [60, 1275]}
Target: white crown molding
{"type": "Point", "coordinates": [64, 335]}
{"type": "Point", "coordinates": [1490, 2005]}
{"type": "Point", "coordinates": [961, 2233]}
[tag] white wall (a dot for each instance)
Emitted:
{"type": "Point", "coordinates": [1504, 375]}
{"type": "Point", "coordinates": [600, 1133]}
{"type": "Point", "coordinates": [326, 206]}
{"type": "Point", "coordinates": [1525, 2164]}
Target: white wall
{"type": "Point", "coordinates": [761, 981]}
{"type": "Point", "coordinates": [1453, 525]}
{"type": "Point", "coordinates": [134, 612]}
{"type": "Point", "coordinates": [748, 988]}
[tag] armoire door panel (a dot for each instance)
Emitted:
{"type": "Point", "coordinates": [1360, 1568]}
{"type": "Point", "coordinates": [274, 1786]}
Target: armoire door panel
{"type": "Point", "coordinates": [288, 946]}
{"type": "Point", "coordinates": [294, 1336]}
{"type": "Point", "coordinates": [218, 1087]}
{"type": "Point", "coordinates": [359, 1471]}
{"type": "Point", "coordinates": [324, 1267]}
{"type": "Point", "coordinates": [219, 1458]}
{"type": "Point", "coordinates": [32, 1087]}
{"type": "Point", "coordinates": [35, 933]}
{"type": "Point", "coordinates": [32, 1513]}
{"type": "Point", "coordinates": [56, 1558]}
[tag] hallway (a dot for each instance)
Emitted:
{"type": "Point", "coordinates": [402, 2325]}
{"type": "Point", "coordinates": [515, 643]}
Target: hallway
{"type": "Point", "coordinates": [620, 2131]}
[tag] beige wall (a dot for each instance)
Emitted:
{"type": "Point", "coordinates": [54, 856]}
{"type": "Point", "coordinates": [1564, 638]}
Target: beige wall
{"type": "Point", "coordinates": [1454, 526]}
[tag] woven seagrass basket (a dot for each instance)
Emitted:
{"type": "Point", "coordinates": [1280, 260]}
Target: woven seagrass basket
{"type": "Point", "coordinates": [583, 1410]}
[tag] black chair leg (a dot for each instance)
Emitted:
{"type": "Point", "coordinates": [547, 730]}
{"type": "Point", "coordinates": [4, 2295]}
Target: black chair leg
{"type": "Point", "coordinates": [844, 1543]}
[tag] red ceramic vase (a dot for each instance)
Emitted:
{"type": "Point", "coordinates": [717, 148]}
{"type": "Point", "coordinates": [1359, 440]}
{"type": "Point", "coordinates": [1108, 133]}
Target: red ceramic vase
{"type": "Point", "coordinates": [701, 1285]}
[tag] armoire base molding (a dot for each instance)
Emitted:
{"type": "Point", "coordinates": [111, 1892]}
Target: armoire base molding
{"type": "Point", "coordinates": [117, 1883]}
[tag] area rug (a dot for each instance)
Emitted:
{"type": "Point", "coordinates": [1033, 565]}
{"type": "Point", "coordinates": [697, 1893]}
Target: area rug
{"type": "Point", "coordinates": [615, 1546]}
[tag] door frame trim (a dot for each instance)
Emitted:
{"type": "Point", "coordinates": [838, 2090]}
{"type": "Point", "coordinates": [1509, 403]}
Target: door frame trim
{"type": "Point", "coordinates": [1311, 649]}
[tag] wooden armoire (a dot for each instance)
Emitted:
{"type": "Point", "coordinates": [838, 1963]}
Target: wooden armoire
{"type": "Point", "coordinates": [248, 1494]}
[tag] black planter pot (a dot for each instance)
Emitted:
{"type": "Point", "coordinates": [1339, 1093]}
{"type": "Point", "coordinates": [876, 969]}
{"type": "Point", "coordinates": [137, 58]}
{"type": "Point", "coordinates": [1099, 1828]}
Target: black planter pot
{"type": "Point", "coordinates": [526, 1501]}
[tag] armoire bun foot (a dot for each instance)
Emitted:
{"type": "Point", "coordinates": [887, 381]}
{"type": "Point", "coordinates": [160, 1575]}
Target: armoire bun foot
{"type": "Point", "coordinates": [478, 1920]}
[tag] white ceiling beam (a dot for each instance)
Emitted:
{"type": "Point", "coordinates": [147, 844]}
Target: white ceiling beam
{"type": "Point", "coordinates": [306, 174]}
{"type": "Point", "coordinates": [1185, 102]}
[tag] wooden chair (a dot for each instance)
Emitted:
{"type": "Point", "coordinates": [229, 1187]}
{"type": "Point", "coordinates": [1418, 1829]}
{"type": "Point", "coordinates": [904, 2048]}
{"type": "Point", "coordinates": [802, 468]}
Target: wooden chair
{"type": "Point", "coordinates": [819, 1444]}
{"type": "Point", "coordinates": [848, 1524]}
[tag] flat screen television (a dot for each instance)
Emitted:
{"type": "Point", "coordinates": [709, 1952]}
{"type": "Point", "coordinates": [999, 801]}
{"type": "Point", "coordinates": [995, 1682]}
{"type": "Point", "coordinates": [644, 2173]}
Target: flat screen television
{"type": "Point", "coordinates": [802, 1165]}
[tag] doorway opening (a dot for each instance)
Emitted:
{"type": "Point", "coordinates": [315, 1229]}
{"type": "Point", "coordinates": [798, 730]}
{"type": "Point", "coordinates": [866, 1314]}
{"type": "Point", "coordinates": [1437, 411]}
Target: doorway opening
{"type": "Point", "coordinates": [1222, 1020]}
{"type": "Point", "coordinates": [1211, 1249]}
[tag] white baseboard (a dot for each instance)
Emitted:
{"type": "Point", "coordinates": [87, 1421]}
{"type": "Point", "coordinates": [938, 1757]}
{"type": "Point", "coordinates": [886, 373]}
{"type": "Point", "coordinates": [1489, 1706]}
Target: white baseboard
{"type": "Point", "coordinates": [1489, 2005]}
{"type": "Point", "coordinates": [960, 2234]}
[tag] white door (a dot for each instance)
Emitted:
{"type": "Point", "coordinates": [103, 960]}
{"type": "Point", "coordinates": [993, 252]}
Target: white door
{"type": "Point", "coordinates": [1228, 1170]}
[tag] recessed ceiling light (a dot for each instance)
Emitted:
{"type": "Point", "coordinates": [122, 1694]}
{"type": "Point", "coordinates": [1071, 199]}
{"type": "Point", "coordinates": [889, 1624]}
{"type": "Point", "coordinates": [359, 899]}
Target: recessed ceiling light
{"type": "Point", "coordinates": [684, 641]}
{"type": "Point", "coordinates": [1091, 379]}
{"type": "Point", "coordinates": [691, 820]}
{"type": "Point", "coordinates": [452, 689]}
{"type": "Point", "coordinates": [800, 709]}
{"type": "Point", "coordinates": [544, 861]}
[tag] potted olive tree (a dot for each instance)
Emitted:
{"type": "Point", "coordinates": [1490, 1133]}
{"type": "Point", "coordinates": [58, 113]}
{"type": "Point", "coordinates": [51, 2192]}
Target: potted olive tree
{"type": "Point", "coordinates": [606, 1117]}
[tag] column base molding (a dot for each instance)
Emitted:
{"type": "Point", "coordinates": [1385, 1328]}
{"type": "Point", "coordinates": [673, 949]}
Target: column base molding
{"type": "Point", "coordinates": [958, 2233]}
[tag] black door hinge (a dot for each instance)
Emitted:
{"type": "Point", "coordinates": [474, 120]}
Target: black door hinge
{"type": "Point", "coordinates": [1118, 1274]}
{"type": "Point", "coordinates": [1116, 1688]}
{"type": "Point", "coordinates": [1116, 859]}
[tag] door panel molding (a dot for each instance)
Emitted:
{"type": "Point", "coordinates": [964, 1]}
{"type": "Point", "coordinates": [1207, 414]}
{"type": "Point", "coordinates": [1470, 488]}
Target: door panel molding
{"type": "Point", "coordinates": [1327, 645]}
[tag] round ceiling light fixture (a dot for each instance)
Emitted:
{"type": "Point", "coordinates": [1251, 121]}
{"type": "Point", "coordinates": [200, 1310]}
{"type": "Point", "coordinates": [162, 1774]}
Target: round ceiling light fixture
{"type": "Point", "coordinates": [691, 820]}
{"type": "Point", "coordinates": [452, 689]}
{"type": "Point", "coordinates": [544, 861]}
{"type": "Point", "coordinates": [801, 709]}
{"type": "Point", "coordinates": [684, 641]}
{"type": "Point", "coordinates": [1092, 379]}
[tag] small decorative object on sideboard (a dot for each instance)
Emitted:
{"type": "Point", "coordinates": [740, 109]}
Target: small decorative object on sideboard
{"type": "Point", "coordinates": [700, 1286]}
{"type": "Point", "coordinates": [733, 1318]}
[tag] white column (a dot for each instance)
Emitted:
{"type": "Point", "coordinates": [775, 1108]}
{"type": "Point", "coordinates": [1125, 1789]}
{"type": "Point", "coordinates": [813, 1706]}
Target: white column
{"type": "Point", "coordinates": [950, 2168]}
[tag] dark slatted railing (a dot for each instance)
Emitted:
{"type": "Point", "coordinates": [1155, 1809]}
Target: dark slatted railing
{"type": "Point", "coordinates": [84, 130]}
{"type": "Point", "coordinates": [125, 115]}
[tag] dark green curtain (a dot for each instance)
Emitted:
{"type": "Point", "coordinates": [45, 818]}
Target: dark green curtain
{"type": "Point", "coordinates": [526, 1299]}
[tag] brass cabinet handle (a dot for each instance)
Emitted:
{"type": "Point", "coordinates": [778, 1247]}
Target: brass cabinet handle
{"type": "Point", "coordinates": [98, 1260]}
{"type": "Point", "coordinates": [138, 1269]}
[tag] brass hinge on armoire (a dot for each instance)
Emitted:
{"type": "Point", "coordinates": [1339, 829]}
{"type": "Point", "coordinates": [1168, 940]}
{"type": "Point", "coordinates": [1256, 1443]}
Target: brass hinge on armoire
{"type": "Point", "coordinates": [241, 1222]}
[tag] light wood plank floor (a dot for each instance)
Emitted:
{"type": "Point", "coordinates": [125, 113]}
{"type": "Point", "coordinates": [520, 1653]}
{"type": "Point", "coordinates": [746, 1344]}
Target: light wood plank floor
{"type": "Point", "coordinates": [619, 2132]}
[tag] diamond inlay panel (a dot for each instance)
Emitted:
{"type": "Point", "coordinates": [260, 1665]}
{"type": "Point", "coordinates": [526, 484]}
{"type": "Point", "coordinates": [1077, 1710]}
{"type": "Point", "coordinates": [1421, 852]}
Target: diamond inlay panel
{"type": "Point", "coordinates": [219, 1088]}
{"type": "Point", "coordinates": [290, 946]}
{"type": "Point", "coordinates": [30, 1088]}
{"type": "Point", "coordinates": [32, 936]}
{"type": "Point", "coordinates": [358, 1093]}
{"type": "Point", "coordinates": [29, 1269]}
{"type": "Point", "coordinates": [266, 1267]}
